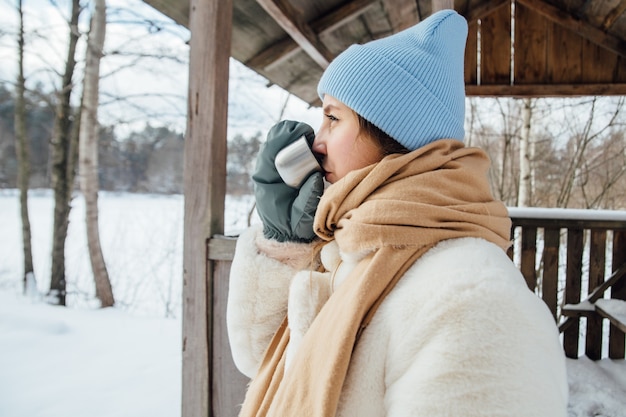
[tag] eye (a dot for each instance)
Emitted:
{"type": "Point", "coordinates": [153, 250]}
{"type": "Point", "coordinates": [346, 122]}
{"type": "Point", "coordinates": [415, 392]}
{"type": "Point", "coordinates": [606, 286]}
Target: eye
{"type": "Point", "coordinates": [331, 117]}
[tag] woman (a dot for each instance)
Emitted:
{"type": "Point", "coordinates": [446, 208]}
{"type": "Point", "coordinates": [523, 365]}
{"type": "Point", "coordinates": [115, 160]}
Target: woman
{"type": "Point", "coordinates": [411, 307]}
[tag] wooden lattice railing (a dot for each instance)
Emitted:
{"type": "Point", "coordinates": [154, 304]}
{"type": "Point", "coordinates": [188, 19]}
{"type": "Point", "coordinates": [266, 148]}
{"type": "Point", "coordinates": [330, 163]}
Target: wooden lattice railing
{"type": "Point", "coordinates": [575, 260]}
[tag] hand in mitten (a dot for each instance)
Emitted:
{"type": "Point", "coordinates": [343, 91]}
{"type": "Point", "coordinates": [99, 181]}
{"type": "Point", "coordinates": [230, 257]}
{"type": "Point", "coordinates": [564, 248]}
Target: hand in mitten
{"type": "Point", "coordinates": [287, 213]}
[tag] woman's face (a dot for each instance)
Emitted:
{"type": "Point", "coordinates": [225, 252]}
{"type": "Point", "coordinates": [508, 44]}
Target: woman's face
{"type": "Point", "coordinates": [340, 143]}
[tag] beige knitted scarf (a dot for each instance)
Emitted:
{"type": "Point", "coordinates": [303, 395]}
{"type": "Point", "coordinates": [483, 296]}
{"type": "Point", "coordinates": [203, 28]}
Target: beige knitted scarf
{"type": "Point", "coordinates": [392, 212]}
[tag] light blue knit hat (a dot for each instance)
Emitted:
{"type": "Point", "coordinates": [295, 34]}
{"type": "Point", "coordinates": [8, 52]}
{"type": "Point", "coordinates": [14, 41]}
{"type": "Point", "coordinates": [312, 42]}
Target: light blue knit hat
{"type": "Point", "coordinates": [410, 84]}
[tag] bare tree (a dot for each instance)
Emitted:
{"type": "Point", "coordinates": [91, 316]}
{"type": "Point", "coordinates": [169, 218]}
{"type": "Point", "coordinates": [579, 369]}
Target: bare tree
{"type": "Point", "coordinates": [495, 127]}
{"type": "Point", "coordinates": [64, 154]}
{"type": "Point", "coordinates": [600, 181]}
{"type": "Point", "coordinates": [524, 198]}
{"type": "Point", "coordinates": [88, 155]}
{"type": "Point", "coordinates": [23, 156]}
{"type": "Point", "coordinates": [472, 120]}
{"type": "Point", "coordinates": [579, 143]}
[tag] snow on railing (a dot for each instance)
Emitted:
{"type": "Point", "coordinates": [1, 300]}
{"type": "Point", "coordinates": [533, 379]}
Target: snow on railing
{"type": "Point", "coordinates": [567, 214]}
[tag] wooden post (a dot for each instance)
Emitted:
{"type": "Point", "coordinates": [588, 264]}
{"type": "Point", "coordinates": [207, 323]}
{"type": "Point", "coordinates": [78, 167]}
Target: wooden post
{"type": "Point", "coordinates": [597, 265]}
{"type": "Point", "coordinates": [552, 242]}
{"type": "Point", "coordinates": [618, 291]}
{"type": "Point", "coordinates": [573, 272]}
{"type": "Point", "coordinates": [210, 23]}
{"type": "Point", "coordinates": [529, 255]}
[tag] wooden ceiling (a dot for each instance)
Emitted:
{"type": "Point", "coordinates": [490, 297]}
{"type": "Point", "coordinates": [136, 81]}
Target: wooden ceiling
{"type": "Point", "coordinates": [520, 48]}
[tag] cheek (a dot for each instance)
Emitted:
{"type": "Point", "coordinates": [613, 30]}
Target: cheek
{"type": "Point", "coordinates": [340, 149]}
{"type": "Point", "coordinates": [343, 145]}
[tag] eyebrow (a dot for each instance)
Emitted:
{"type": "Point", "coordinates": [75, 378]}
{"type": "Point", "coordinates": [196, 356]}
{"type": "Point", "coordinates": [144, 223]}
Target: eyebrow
{"type": "Point", "coordinates": [329, 107]}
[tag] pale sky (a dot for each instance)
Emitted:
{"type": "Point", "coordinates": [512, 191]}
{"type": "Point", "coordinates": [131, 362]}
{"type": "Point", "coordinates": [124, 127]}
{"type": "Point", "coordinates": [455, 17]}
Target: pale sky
{"type": "Point", "coordinates": [253, 107]}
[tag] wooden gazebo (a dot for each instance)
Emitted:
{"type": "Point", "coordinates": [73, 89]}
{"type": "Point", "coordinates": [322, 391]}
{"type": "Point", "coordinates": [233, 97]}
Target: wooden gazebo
{"type": "Point", "coordinates": [521, 48]}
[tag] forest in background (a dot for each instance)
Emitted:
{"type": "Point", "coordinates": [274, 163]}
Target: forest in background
{"type": "Point", "coordinates": [577, 155]}
{"type": "Point", "coordinates": [145, 161]}
{"type": "Point", "coordinates": [574, 150]}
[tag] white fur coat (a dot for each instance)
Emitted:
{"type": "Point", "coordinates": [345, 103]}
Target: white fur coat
{"type": "Point", "coordinates": [459, 335]}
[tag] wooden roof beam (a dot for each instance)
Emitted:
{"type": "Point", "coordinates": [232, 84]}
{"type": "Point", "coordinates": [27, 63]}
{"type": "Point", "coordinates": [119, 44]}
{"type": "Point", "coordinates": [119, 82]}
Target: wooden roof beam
{"type": "Point", "coordinates": [178, 12]}
{"type": "Point", "coordinates": [613, 15]}
{"type": "Point", "coordinates": [285, 48]}
{"type": "Point", "coordinates": [287, 18]}
{"type": "Point", "coordinates": [482, 9]}
{"type": "Point", "coordinates": [281, 50]}
{"type": "Point", "coordinates": [341, 16]}
{"type": "Point", "coordinates": [438, 5]}
{"type": "Point", "coordinates": [403, 13]}
{"type": "Point", "coordinates": [577, 25]}
{"type": "Point", "coordinates": [545, 90]}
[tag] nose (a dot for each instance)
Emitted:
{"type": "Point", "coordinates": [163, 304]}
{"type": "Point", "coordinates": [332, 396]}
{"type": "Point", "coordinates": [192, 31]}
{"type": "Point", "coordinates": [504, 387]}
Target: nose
{"type": "Point", "coordinates": [319, 145]}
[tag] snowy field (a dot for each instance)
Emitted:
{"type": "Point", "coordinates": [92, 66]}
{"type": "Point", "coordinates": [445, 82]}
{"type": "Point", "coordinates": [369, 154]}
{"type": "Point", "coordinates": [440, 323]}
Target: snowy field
{"type": "Point", "coordinates": [142, 242]}
{"type": "Point", "coordinates": [82, 361]}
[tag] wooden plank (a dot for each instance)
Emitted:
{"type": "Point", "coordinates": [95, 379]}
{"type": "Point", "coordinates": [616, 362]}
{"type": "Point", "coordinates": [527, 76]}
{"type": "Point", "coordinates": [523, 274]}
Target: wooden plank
{"type": "Point", "coordinates": [282, 12]}
{"type": "Point", "coordinates": [620, 71]}
{"type": "Point", "coordinates": [403, 13]}
{"type": "Point", "coordinates": [576, 25]}
{"type": "Point", "coordinates": [475, 10]}
{"type": "Point", "coordinates": [597, 259]}
{"type": "Point", "coordinates": [221, 248]}
{"type": "Point", "coordinates": [471, 54]}
{"type": "Point", "coordinates": [204, 180]}
{"type": "Point", "coordinates": [531, 37]}
{"type": "Point", "coordinates": [598, 63]}
{"type": "Point", "coordinates": [582, 309]}
{"type": "Point", "coordinates": [573, 221]}
{"type": "Point", "coordinates": [616, 276]}
{"type": "Point", "coordinates": [229, 385]}
{"type": "Point", "coordinates": [574, 266]}
{"type": "Point", "coordinates": [529, 255]}
{"type": "Point", "coordinates": [597, 11]}
{"type": "Point", "coordinates": [178, 11]}
{"type": "Point", "coordinates": [282, 50]}
{"type": "Point", "coordinates": [614, 310]}
{"type": "Point", "coordinates": [538, 90]}
{"type": "Point", "coordinates": [341, 16]}
{"type": "Point", "coordinates": [495, 40]}
{"type": "Point", "coordinates": [564, 56]}
{"type": "Point", "coordinates": [613, 15]}
{"type": "Point", "coordinates": [438, 5]}
{"type": "Point", "coordinates": [510, 251]}
{"type": "Point", "coordinates": [552, 241]}
{"type": "Point", "coordinates": [618, 292]}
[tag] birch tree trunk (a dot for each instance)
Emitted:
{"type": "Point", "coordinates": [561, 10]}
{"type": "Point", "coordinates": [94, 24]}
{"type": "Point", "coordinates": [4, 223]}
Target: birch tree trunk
{"type": "Point", "coordinates": [23, 157]}
{"type": "Point", "coordinates": [63, 154]}
{"type": "Point", "coordinates": [88, 154]}
{"type": "Point", "coordinates": [524, 197]}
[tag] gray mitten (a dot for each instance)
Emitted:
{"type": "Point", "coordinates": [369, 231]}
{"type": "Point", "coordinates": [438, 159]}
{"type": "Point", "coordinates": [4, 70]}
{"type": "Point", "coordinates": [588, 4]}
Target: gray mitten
{"type": "Point", "coordinates": [287, 213]}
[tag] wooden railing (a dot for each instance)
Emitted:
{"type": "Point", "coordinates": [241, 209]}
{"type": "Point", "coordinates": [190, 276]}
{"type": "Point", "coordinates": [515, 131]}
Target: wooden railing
{"type": "Point", "coordinates": [573, 259]}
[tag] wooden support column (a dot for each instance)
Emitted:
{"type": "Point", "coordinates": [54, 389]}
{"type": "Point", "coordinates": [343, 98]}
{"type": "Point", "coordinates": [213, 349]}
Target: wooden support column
{"type": "Point", "coordinates": [210, 23]}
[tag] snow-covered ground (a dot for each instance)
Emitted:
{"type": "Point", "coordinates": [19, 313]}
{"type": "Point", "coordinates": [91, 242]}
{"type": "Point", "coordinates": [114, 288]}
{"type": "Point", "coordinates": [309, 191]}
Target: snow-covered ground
{"type": "Point", "coordinates": [142, 242]}
{"type": "Point", "coordinates": [82, 361]}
